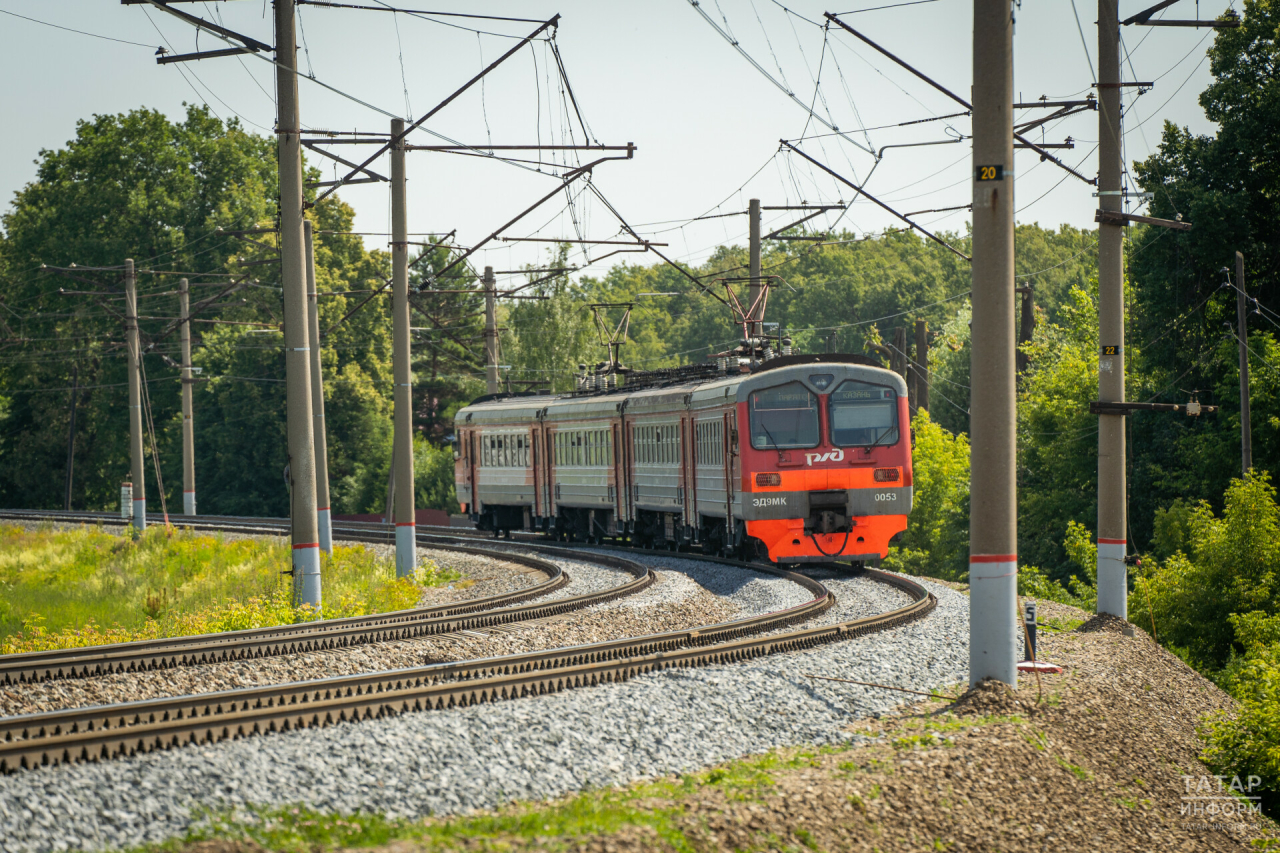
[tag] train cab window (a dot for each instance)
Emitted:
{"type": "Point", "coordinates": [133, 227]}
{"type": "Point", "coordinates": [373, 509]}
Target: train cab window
{"type": "Point", "coordinates": [783, 417]}
{"type": "Point", "coordinates": [862, 414]}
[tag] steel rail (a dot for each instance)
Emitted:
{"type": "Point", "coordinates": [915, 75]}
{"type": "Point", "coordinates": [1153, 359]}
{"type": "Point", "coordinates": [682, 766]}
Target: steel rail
{"type": "Point", "coordinates": [167, 653]}
{"type": "Point", "coordinates": [91, 734]}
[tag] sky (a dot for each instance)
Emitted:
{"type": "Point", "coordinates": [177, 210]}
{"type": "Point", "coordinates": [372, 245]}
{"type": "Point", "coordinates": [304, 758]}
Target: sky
{"type": "Point", "coordinates": [705, 120]}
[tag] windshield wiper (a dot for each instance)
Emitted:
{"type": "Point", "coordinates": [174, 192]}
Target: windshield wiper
{"type": "Point", "coordinates": [876, 443]}
{"type": "Point", "coordinates": [772, 440]}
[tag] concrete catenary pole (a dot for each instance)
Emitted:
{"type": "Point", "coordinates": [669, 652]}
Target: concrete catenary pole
{"type": "Point", "coordinates": [490, 331]}
{"type": "Point", "coordinates": [993, 526]}
{"type": "Point", "coordinates": [302, 467]}
{"type": "Point", "coordinates": [755, 327]}
{"type": "Point", "coordinates": [1242, 334]}
{"type": "Point", "coordinates": [136, 467]}
{"type": "Point", "coordinates": [1113, 589]}
{"type": "Point", "coordinates": [402, 440]}
{"type": "Point", "coordinates": [317, 396]}
{"type": "Point", "coordinates": [188, 380]}
{"type": "Point", "coordinates": [921, 367]}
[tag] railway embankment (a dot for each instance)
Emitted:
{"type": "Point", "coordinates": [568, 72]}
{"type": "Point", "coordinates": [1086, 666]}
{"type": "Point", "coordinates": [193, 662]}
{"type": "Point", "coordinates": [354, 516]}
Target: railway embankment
{"type": "Point", "coordinates": [1104, 756]}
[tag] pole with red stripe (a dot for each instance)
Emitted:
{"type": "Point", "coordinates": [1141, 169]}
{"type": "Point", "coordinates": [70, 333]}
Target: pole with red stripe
{"type": "Point", "coordinates": [993, 518]}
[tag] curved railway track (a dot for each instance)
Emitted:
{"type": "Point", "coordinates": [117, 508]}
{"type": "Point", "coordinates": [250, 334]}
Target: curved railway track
{"type": "Point", "coordinates": [91, 734]}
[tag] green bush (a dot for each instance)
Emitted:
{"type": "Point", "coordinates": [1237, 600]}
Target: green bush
{"type": "Point", "coordinates": [936, 542]}
{"type": "Point", "coordinates": [1248, 743]}
{"type": "Point", "coordinates": [1232, 566]}
{"type": "Point", "coordinates": [1215, 601]}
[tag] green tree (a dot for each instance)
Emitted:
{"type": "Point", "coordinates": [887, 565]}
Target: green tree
{"type": "Point", "coordinates": [1057, 437]}
{"type": "Point", "coordinates": [130, 185]}
{"type": "Point", "coordinates": [936, 542]}
{"type": "Point", "coordinates": [165, 193]}
{"type": "Point", "coordinates": [548, 338]}
{"type": "Point", "coordinates": [1228, 186]}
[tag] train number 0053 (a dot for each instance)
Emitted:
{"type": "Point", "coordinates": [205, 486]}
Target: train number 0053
{"type": "Point", "coordinates": [886, 496]}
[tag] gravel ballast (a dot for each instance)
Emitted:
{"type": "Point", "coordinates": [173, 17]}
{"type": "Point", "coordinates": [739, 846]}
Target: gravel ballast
{"type": "Point", "coordinates": [448, 761]}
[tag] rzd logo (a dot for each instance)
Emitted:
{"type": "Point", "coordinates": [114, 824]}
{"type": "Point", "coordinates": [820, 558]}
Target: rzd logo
{"type": "Point", "coordinates": [829, 456]}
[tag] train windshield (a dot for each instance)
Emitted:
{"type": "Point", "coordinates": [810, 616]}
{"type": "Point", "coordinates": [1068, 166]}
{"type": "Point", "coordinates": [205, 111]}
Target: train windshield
{"type": "Point", "coordinates": [783, 417]}
{"type": "Point", "coordinates": [862, 414]}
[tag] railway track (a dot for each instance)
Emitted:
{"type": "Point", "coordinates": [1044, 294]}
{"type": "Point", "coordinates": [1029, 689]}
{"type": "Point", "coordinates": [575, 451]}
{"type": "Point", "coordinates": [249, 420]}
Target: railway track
{"type": "Point", "coordinates": [91, 734]}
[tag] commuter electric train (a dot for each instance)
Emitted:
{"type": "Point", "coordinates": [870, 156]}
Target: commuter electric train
{"type": "Point", "coordinates": [801, 458]}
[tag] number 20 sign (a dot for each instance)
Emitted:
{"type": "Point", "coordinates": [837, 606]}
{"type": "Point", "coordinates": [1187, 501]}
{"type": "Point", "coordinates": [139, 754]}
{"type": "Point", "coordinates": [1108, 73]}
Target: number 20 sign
{"type": "Point", "coordinates": [990, 173]}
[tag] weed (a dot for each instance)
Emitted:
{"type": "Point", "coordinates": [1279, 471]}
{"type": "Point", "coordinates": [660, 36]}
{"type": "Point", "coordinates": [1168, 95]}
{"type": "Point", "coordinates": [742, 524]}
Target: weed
{"type": "Point", "coordinates": [1132, 802]}
{"type": "Point", "coordinates": [806, 838]}
{"type": "Point", "coordinates": [1054, 623]}
{"type": "Point", "coordinates": [1037, 739]}
{"type": "Point", "coordinates": [924, 741]}
{"type": "Point", "coordinates": [1075, 770]}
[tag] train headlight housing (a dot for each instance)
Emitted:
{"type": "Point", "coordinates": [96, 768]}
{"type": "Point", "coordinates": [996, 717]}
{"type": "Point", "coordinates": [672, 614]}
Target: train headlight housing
{"type": "Point", "coordinates": [768, 479]}
{"type": "Point", "coordinates": [887, 475]}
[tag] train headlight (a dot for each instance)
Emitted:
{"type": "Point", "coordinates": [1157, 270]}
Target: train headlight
{"type": "Point", "coordinates": [768, 479]}
{"type": "Point", "coordinates": [887, 475]}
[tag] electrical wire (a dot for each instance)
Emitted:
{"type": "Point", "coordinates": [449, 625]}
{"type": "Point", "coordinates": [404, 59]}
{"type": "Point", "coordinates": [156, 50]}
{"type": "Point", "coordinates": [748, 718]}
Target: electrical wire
{"type": "Point", "coordinates": [78, 32]}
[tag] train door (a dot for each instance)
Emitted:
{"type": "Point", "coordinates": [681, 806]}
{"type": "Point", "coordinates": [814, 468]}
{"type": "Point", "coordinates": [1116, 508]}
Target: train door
{"type": "Point", "coordinates": [472, 462]}
{"type": "Point", "coordinates": [534, 459]}
{"type": "Point", "coordinates": [547, 467]}
{"type": "Point", "coordinates": [727, 434]}
{"type": "Point", "coordinates": [552, 473]}
{"type": "Point", "coordinates": [628, 470]}
{"type": "Point", "coordinates": [688, 448]}
{"type": "Point", "coordinates": [619, 480]}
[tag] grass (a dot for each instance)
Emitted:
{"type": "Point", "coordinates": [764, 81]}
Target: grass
{"type": "Point", "coordinates": [656, 806]}
{"type": "Point", "coordinates": [86, 586]}
{"type": "Point", "coordinates": [1074, 769]}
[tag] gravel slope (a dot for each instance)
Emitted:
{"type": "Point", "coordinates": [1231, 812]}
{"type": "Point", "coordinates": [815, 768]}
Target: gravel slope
{"type": "Point", "coordinates": [483, 756]}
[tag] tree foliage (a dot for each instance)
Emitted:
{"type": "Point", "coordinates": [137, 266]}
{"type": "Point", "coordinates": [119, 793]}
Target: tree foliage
{"type": "Point", "coordinates": [936, 541]}
{"type": "Point", "coordinates": [138, 185]}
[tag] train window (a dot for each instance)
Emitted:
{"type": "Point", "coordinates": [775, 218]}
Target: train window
{"type": "Point", "coordinates": [783, 417]}
{"type": "Point", "coordinates": [862, 414]}
{"type": "Point", "coordinates": [709, 447]}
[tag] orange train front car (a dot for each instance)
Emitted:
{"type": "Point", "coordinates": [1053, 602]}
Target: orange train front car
{"type": "Point", "coordinates": [826, 463]}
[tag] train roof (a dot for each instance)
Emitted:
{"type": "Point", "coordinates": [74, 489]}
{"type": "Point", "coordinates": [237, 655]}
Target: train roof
{"type": "Point", "coordinates": [693, 393]}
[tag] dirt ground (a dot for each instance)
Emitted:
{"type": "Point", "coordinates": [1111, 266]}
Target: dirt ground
{"type": "Point", "coordinates": [1102, 757]}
